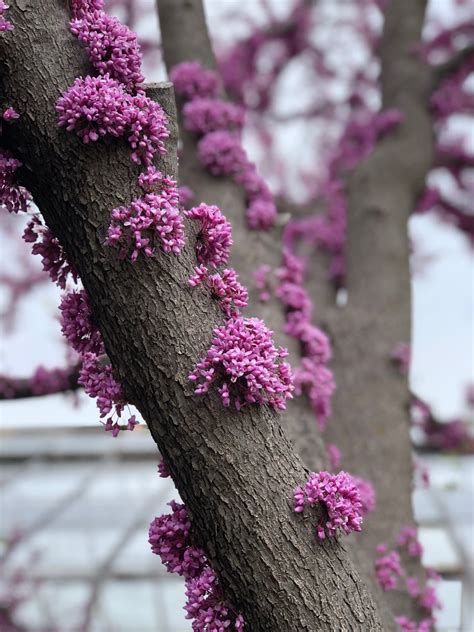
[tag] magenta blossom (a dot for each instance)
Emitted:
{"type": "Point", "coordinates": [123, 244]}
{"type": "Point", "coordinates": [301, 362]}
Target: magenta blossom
{"type": "Point", "coordinates": [245, 365]}
{"type": "Point", "coordinates": [214, 238]}
{"type": "Point", "coordinates": [191, 80]}
{"type": "Point", "coordinates": [340, 498]}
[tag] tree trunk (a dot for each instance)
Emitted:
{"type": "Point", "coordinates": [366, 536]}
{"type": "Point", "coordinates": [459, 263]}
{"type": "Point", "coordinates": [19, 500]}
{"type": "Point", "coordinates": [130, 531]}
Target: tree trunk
{"type": "Point", "coordinates": [234, 470]}
{"type": "Point", "coordinates": [371, 424]}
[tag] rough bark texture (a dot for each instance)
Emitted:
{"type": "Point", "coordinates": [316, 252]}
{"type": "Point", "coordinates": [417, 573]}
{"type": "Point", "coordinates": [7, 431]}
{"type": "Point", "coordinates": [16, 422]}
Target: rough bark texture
{"type": "Point", "coordinates": [235, 471]}
{"type": "Point", "coordinates": [362, 336]}
{"type": "Point", "coordinates": [185, 37]}
{"type": "Point", "coordinates": [371, 424]}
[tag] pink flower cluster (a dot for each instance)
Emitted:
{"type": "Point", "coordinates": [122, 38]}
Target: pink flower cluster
{"type": "Point", "coordinates": [224, 287]}
{"type": "Point", "coordinates": [220, 150]}
{"type": "Point", "coordinates": [112, 47]}
{"type": "Point", "coordinates": [317, 382]}
{"type": "Point", "coordinates": [451, 436]}
{"type": "Point", "coordinates": [312, 377]}
{"type": "Point", "coordinates": [77, 326]}
{"type": "Point", "coordinates": [10, 114]}
{"type": "Point", "coordinates": [228, 291]}
{"type": "Point", "coordinates": [221, 153]}
{"type": "Point", "coordinates": [5, 25]}
{"type": "Point", "coordinates": [98, 381]}
{"type": "Point", "coordinates": [163, 470]}
{"type": "Point", "coordinates": [245, 365]}
{"type": "Point", "coordinates": [45, 381]}
{"type": "Point", "coordinates": [185, 195]}
{"type": "Point", "coordinates": [214, 239]}
{"type": "Point", "coordinates": [53, 257]}
{"type": "Point", "coordinates": [192, 81]}
{"type": "Point", "coordinates": [80, 7]}
{"type": "Point", "coordinates": [154, 216]}
{"type": "Point", "coordinates": [170, 538]}
{"type": "Point", "coordinates": [13, 197]}
{"type": "Point", "coordinates": [262, 282]}
{"type": "Point", "coordinates": [242, 361]}
{"type": "Point", "coordinates": [451, 97]}
{"type": "Point", "coordinates": [213, 244]}
{"type": "Point", "coordinates": [454, 158]}
{"type": "Point", "coordinates": [340, 498]}
{"type": "Point", "coordinates": [408, 539]}
{"type": "Point", "coordinates": [426, 596]}
{"type": "Point", "coordinates": [96, 107]}
{"type": "Point", "coordinates": [387, 568]}
{"type": "Point", "coordinates": [95, 375]}
{"type": "Point", "coordinates": [203, 116]}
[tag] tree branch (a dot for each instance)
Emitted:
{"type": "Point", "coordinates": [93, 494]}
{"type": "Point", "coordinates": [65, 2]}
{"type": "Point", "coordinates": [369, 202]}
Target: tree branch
{"type": "Point", "coordinates": [441, 71]}
{"type": "Point", "coordinates": [234, 470]}
{"type": "Point", "coordinates": [42, 382]}
{"type": "Point", "coordinates": [185, 37]}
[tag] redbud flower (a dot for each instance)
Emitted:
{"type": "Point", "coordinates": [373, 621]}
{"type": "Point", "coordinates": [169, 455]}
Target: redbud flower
{"type": "Point", "coordinates": [367, 494]}
{"type": "Point", "coordinates": [245, 365]}
{"type": "Point", "coordinates": [202, 116]}
{"type": "Point", "coordinates": [408, 538]}
{"type": "Point", "coordinates": [261, 214]}
{"type": "Point", "coordinates": [152, 217]}
{"type": "Point", "coordinates": [334, 456]}
{"type": "Point", "coordinates": [76, 323]}
{"type": "Point", "coordinates": [53, 257]}
{"type": "Point", "coordinates": [191, 80]}
{"type": "Point", "coordinates": [221, 153]}
{"type": "Point", "coordinates": [5, 25]}
{"type": "Point", "coordinates": [13, 197]}
{"type": "Point", "coordinates": [230, 293]}
{"type": "Point", "coordinates": [262, 282]}
{"type": "Point", "coordinates": [340, 497]}
{"type": "Point", "coordinates": [112, 47]}
{"type": "Point", "coordinates": [94, 107]}
{"type": "Point", "coordinates": [10, 115]}
{"type": "Point", "coordinates": [388, 569]}
{"type": "Point", "coordinates": [317, 382]}
{"type": "Point", "coordinates": [80, 7]}
{"type": "Point", "coordinates": [214, 239]}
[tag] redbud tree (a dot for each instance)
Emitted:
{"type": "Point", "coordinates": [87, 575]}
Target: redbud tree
{"type": "Point", "coordinates": [257, 317]}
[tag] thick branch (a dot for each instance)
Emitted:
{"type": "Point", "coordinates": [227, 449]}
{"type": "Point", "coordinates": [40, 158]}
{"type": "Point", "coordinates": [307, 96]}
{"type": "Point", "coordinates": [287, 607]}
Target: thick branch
{"type": "Point", "coordinates": [235, 471]}
{"type": "Point", "coordinates": [185, 36]}
{"type": "Point", "coordinates": [370, 403]}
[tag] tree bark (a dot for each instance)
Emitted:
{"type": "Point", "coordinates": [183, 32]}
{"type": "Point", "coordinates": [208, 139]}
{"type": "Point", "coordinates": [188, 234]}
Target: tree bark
{"type": "Point", "coordinates": [235, 471]}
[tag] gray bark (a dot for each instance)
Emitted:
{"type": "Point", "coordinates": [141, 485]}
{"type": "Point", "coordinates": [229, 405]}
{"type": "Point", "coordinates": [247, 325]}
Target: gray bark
{"type": "Point", "coordinates": [235, 471]}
